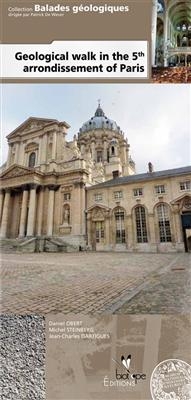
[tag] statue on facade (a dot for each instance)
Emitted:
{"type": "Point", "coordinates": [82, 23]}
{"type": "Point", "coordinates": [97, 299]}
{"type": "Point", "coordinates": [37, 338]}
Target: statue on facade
{"type": "Point", "coordinates": [66, 215]}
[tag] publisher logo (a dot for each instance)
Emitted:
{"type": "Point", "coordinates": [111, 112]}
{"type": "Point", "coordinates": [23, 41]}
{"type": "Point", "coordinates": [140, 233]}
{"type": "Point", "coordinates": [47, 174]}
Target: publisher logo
{"type": "Point", "coordinates": [124, 374]}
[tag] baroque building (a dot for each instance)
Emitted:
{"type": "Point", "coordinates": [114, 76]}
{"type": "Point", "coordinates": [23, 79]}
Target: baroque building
{"type": "Point", "coordinates": [59, 195]}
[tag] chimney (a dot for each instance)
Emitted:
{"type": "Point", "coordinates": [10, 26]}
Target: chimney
{"type": "Point", "coordinates": [115, 174]}
{"type": "Point", "coordinates": [151, 168]}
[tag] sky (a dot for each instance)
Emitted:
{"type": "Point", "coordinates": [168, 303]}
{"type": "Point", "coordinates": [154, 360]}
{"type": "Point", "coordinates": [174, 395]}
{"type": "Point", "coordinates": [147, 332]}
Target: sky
{"type": "Point", "coordinates": [156, 119]}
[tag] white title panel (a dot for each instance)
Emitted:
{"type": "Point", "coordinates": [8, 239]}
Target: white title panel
{"type": "Point", "coordinates": [76, 59]}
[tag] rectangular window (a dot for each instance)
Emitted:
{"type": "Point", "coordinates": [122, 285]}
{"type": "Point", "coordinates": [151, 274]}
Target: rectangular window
{"type": "Point", "coordinates": [98, 197]}
{"type": "Point", "coordinates": [185, 185]}
{"type": "Point", "coordinates": [159, 189]}
{"type": "Point", "coordinates": [118, 194]}
{"type": "Point", "coordinates": [67, 196]}
{"type": "Point", "coordinates": [138, 192]}
{"type": "Point", "coordinates": [99, 231]}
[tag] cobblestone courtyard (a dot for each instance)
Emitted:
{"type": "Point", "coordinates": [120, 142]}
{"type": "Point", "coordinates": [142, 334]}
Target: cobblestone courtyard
{"type": "Point", "coordinates": [95, 283]}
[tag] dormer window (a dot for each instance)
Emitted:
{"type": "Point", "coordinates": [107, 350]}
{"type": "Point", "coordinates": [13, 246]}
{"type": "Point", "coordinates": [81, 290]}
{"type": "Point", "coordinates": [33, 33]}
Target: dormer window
{"type": "Point", "coordinates": [32, 159]}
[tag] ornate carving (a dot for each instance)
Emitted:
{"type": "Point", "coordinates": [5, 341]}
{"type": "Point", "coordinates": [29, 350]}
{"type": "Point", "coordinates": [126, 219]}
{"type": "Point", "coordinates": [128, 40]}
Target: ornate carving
{"type": "Point", "coordinates": [66, 188]}
{"type": "Point", "coordinates": [187, 203]}
{"type": "Point", "coordinates": [17, 171]}
{"type": "Point", "coordinates": [97, 215]}
{"type": "Point", "coordinates": [32, 125]}
{"type": "Point", "coordinates": [31, 147]}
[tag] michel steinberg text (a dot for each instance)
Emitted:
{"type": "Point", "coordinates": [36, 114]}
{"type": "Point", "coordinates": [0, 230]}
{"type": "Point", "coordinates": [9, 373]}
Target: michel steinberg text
{"type": "Point", "coordinates": [99, 59]}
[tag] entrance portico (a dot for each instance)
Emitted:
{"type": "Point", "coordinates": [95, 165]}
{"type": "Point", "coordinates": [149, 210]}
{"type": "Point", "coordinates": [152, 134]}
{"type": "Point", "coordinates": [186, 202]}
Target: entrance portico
{"type": "Point", "coordinates": [21, 205]}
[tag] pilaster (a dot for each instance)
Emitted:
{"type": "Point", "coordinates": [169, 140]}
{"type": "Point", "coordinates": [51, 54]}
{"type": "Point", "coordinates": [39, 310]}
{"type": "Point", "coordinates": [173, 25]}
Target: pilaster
{"type": "Point", "coordinates": [50, 210]}
{"type": "Point", "coordinates": [40, 211]}
{"type": "Point", "coordinates": [5, 215]}
{"type": "Point", "coordinates": [32, 211]}
{"type": "Point", "coordinates": [1, 202]}
{"type": "Point", "coordinates": [154, 29]}
{"type": "Point", "coordinates": [23, 216]}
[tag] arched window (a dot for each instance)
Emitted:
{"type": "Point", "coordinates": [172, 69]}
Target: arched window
{"type": "Point", "coordinates": [113, 150]}
{"type": "Point", "coordinates": [32, 159]}
{"type": "Point", "coordinates": [120, 226]}
{"type": "Point", "coordinates": [141, 227]}
{"type": "Point", "coordinates": [164, 223]}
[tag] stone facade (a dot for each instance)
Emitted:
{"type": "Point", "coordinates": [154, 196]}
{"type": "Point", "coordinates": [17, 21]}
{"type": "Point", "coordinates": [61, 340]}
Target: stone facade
{"type": "Point", "coordinates": [85, 193]}
{"type": "Point", "coordinates": [146, 212]}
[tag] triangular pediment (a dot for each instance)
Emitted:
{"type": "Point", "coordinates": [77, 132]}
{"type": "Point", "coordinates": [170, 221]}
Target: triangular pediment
{"type": "Point", "coordinates": [16, 170]}
{"type": "Point", "coordinates": [30, 125]}
{"type": "Point", "coordinates": [184, 197]}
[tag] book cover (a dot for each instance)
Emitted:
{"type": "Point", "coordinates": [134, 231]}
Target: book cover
{"type": "Point", "coordinates": [95, 202]}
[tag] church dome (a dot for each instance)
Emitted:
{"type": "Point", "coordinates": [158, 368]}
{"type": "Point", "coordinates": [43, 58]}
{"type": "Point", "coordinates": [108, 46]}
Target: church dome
{"type": "Point", "coordinates": [99, 121]}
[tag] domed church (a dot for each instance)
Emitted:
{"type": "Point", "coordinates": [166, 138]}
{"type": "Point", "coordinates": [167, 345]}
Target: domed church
{"type": "Point", "coordinates": [84, 194]}
{"type": "Point", "coordinates": [102, 141]}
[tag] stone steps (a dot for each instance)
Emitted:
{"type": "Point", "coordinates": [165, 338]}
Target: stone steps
{"type": "Point", "coordinates": [8, 245]}
{"type": "Point", "coordinates": [45, 244]}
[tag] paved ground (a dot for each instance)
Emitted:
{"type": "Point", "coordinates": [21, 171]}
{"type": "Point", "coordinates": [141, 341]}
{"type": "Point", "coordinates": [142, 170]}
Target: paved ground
{"type": "Point", "coordinates": [95, 283]}
{"type": "Point", "coordinates": [22, 357]}
{"type": "Point", "coordinates": [167, 292]}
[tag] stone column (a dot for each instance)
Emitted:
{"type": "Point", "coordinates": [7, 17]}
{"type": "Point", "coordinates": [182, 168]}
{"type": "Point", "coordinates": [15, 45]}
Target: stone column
{"type": "Point", "coordinates": [54, 145]}
{"type": "Point", "coordinates": [151, 228]}
{"type": "Point", "coordinates": [82, 208]}
{"type": "Point", "coordinates": [93, 150]}
{"type": "Point", "coordinates": [32, 211]}
{"type": "Point", "coordinates": [124, 152]}
{"type": "Point", "coordinates": [151, 232]}
{"type": "Point", "coordinates": [89, 230]}
{"type": "Point", "coordinates": [129, 225]}
{"type": "Point", "coordinates": [82, 149]}
{"type": "Point", "coordinates": [40, 212]}
{"type": "Point", "coordinates": [154, 29]}
{"type": "Point", "coordinates": [22, 154]}
{"type": "Point", "coordinates": [105, 150]}
{"type": "Point", "coordinates": [107, 230]}
{"type": "Point", "coordinates": [176, 225]}
{"type": "Point", "coordinates": [9, 156]}
{"type": "Point", "coordinates": [44, 148]}
{"type": "Point", "coordinates": [23, 217]}
{"type": "Point", "coordinates": [166, 20]}
{"type": "Point", "coordinates": [16, 153]}
{"type": "Point", "coordinates": [77, 208]}
{"type": "Point", "coordinates": [1, 202]}
{"type": "Point", "coordinates": [39, 151]}
{"type": "Point", "coordinates": [50, 210]}
{"type": "Point", "coordinates": [5, 215]}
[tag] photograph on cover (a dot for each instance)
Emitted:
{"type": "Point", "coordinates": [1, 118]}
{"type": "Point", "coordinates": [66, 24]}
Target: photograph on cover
{"type": "Point", "coordinates": [171, 41]}
{"type": "Point", "coordinates": [99, 219]}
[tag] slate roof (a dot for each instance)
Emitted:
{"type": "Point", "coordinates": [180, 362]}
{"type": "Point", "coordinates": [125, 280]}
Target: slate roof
{"type": "Point", "coordinates": [148, 176]}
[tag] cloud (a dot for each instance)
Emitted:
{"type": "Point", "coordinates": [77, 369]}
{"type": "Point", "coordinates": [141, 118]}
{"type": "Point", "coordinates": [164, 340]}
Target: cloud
{"type": "Point", "coordinates": [155, 118]}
